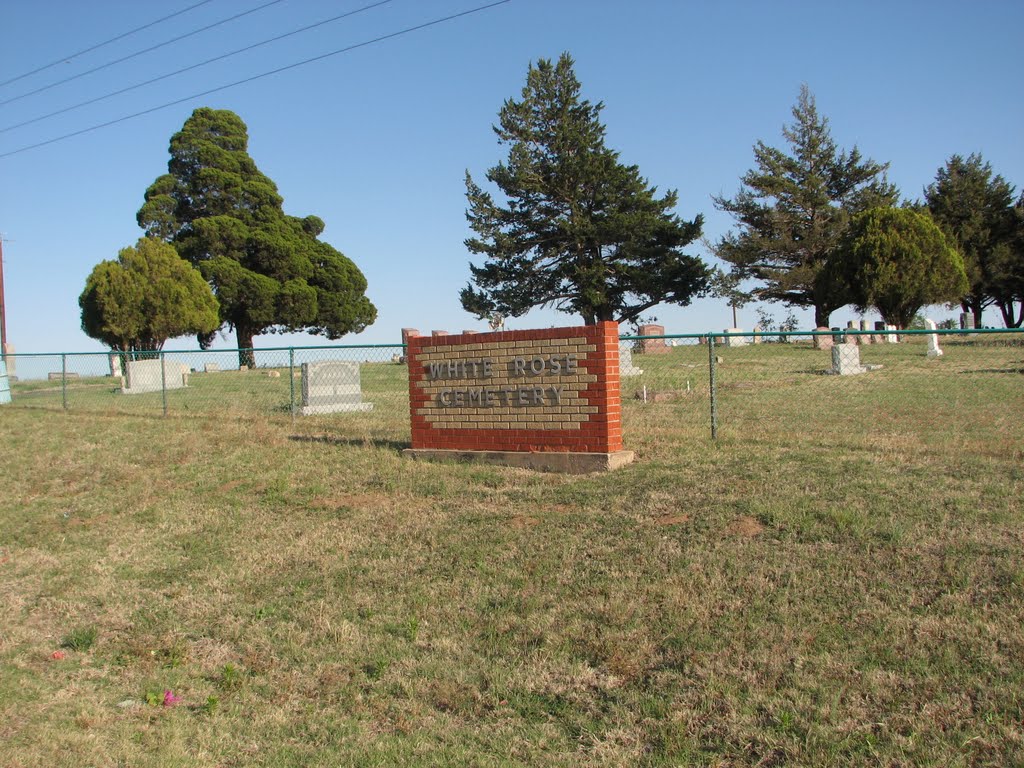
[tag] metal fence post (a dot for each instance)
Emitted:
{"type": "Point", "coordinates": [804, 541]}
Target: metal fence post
{"type": "Point", "coordinates": [291, 381]}
{"type": "Point", "coordinates": [64, 381]}
{"type": "Point", "coordinates": [163, 380]}
{"type": "Point", "coordinates": [714, 401]}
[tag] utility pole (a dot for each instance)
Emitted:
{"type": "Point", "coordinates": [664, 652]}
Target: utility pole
{"type": "Point", "coordinates": [3, 306]}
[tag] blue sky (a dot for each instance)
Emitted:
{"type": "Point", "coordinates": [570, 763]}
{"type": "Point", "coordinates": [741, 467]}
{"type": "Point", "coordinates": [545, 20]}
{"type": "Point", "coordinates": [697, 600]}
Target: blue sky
{"type": "Point", "coordinates": [376, 141]}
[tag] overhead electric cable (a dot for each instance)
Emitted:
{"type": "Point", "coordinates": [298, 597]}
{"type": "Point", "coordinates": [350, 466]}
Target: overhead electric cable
{"type": "Point", "coordinates": [194, 66]}
{"type": "Point", "coordinates": [260, 76]}
{"type": "Point", "coordinates": [105, 42]}
{"type": "Point", "coordinates": [140, 53]}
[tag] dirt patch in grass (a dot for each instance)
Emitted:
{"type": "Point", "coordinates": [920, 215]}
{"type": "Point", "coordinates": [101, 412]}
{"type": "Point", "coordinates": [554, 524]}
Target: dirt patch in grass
{"type": "Point", "coordinates": [746, 527]}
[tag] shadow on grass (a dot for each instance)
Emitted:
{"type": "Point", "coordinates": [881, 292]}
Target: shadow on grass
{"type": "Point", "coordinates": [358, 442]}
{"type": "Point", "coordinates": [995, 370]}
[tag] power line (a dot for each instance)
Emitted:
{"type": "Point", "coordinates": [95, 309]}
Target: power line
{"type": "Point", "coordinates": [194, 66]}
{"type": "Point", "coordinates": [260, 76]}
{"type": "Point", "coordinates": [105, 42]}
{"type": "Point", "coordinates": [140, 53]}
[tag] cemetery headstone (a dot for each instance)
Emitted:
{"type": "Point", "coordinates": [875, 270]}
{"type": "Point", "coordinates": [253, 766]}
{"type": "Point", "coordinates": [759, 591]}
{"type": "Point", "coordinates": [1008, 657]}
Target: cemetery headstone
{"type": "Point", "coordinates": [626, 367]}
{"type": "Point", "coordinates": [846, 360]}
{"type": "Point", "coordinates": [758, 331]}
{"type": "Point", "coordinates": [891, 337]}
{"type": "Point", "coordinates": [734, 341]}
{"type": "Point", "coordinates": [332, 386]}
{"type": "Point", "coordinates": [5, 384]}
{"type": "Point", "coordinates": [211, 368]}
{"type": "Point", "coordinates": [933, 339]}
{"type": "Point", "coordinates": [967, 321]}
{"type": "Point", "coordinates": [867, 338]}
{"type": "Point", "coordinates": [58, 375]}
{"type": "Point", "coordinates": [881, 337]}
{"type": "Point", "coordinates": [852, 338]}
{"type": "Point", "coordinates": [150, 376]}
{"type": "Point", "coordinates": [653, 346]}
{"type": "Point", "coordinates": [824, 338]}
{"type": "Point", "coordinates": [114, 361]}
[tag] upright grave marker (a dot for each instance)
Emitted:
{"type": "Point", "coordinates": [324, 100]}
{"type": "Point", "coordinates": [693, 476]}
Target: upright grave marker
{"type": "Point", "coordinates": [154, 376]}
{"type": "Point", "coordinates": [546, 399]}
{"type": "Point", "coordinates": [332, 386]}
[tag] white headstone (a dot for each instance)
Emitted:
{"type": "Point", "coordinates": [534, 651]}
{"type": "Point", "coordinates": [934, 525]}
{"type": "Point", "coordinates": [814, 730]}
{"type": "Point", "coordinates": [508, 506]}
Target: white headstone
{"type": "Point", "coordinates": [867, 338]}
{"type": "Point", "coordinates": [5, 384]}
{"type": "Point", "coordinates": [146, 376]}
{"type": "Point", "coordinates": [933, 339]}
{"type": "Point", "coordinates": [626, 367]}
{"type": "Point", "coordinates": [211, 368]}
{"type": "Point", "coordinates": [734, 341]}
{"type": "Point", "coordinates": [846, 359]}
{"type": "Point", "coordinates": [332, 386]}
{"type": "Point", "coordinates": [114, 359]}
{"type": "Point", "coordinates": [891, 337]}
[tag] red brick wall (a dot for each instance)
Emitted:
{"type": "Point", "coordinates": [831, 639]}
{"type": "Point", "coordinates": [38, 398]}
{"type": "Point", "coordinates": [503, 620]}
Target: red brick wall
{"type": "Point", "coordinates": [569, 410]}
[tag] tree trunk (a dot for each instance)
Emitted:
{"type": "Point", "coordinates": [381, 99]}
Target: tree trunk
{"type": "Point", "coordinates": [976, 308]}
{"type": "Point", "coordinates": [1006, 308]}
{"type": "Point", "coordinates": [245, 354]}
{"type": "Point", "coordinates": [821, 316]}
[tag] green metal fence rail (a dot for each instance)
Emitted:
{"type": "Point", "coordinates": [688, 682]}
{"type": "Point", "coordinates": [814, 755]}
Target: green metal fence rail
{"type": "Point", "coordinates": [726, 385]}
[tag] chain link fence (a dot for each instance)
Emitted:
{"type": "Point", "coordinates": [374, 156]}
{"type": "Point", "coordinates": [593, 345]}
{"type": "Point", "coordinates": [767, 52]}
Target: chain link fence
{"type": "Point", "coordinates": [906, 388]}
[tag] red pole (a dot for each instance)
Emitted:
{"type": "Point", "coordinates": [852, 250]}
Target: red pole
{"type": "Point", "coordinates": [3, 306]}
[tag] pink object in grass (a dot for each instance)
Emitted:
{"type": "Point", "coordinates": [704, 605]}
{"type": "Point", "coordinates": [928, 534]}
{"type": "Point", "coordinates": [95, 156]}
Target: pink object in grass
{"type": "Point", "coordinates": [170, 699]}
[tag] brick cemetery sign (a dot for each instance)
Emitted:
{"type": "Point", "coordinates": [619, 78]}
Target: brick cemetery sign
{"type": "Point", "coordinates": [154, 376]}
{"type": "Point", "coordinates": [544, 399]}
{"type": "Point", "coordinates": [332, 386]}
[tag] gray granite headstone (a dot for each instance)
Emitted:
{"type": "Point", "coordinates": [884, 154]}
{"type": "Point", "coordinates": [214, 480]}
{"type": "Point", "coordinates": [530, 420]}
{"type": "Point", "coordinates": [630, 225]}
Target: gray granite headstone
{"type": "Point", "coordinates": [967, 321]}
{"type": "Point", "coordinates": [331, 386]}
{"type": "Point", "coordinates": [146, 376]}
{"type": "Point", "coordinates": [846, 360]}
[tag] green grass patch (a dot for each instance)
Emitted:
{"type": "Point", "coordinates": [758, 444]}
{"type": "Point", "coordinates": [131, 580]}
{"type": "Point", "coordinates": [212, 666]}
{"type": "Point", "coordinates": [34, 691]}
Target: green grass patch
{"type": "Point", "coordinates": [837, 580]}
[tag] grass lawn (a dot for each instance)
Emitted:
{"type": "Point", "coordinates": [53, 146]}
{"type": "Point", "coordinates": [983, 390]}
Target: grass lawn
{"type": "Point", "coordinates": [838, 580]}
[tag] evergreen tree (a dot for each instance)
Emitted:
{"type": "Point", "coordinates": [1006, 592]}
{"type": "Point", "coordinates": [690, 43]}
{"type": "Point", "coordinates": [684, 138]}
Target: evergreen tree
{"type": "Point", "coordinates": [793, 209]}
{"type": "Point", "coordinates": [896, 260]}
{"type": "Point", "coordinates": [580, 231]}
{"type": "Point", "coordinates": [976, 209]}
{"type": "Point", "coordinates": [268, 270]}
{"type": "Point", "coordinates": [149, 295]}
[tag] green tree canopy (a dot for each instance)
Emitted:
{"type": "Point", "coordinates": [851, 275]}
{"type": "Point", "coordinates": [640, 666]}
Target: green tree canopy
{"type": "Point", "coordinates": [793, 208]}
{"type": "Point", "coordinates": [149, 295]}
{"type": "Point", "coordinates": [976, 209]}
{"type": "Point", "coordinates": [579, 231]}
{"type": "Point", "coordinates": [897, 260]}
{"type": "Point", "coordinates": [268, 269]}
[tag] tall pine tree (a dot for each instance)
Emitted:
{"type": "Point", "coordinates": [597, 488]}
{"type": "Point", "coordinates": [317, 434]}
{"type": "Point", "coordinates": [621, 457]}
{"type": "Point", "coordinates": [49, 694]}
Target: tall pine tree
{"type": "Point", "coordinates": [269, 271]}
{"type": "Point", "coordinates": [976, 209]}
{"type": "Point", "coordinates": [794, 207]}
{"type": "Point", "coordinates": [579, 231]}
